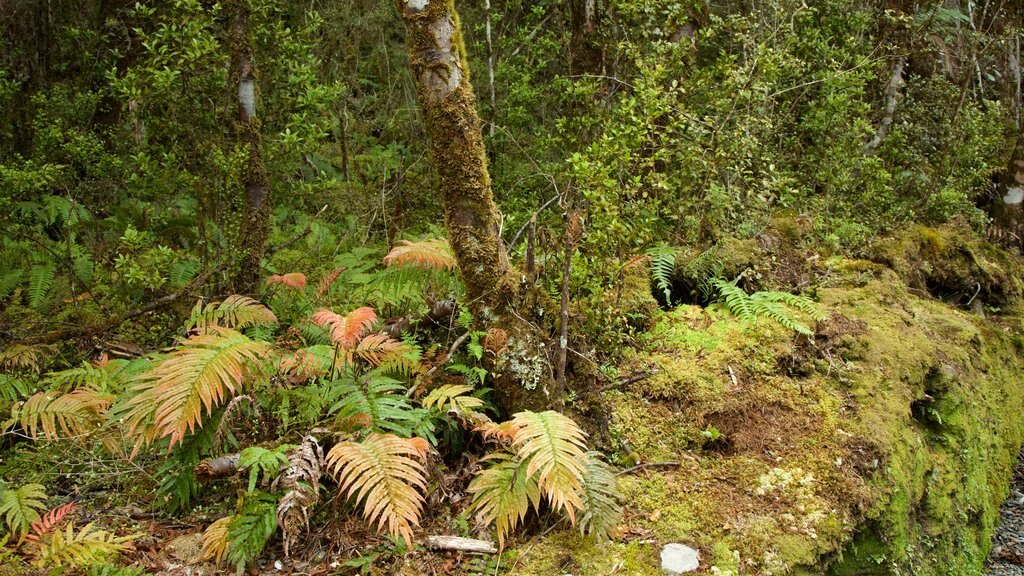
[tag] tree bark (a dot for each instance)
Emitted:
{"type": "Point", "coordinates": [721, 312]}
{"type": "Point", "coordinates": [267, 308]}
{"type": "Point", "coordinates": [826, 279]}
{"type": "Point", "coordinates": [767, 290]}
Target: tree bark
{"type": "Point", "coordinates": [254, 229]}
{"type": "Point", "coordinates": [498, 295]}
{"type": "Point", "coordinates": [586, 55]}
{"type": "Point", "coordinates": [1008, 210]}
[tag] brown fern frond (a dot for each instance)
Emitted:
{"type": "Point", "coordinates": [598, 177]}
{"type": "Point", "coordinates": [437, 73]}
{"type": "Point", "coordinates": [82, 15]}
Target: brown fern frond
{"type": "Point", "coordinates": [235, 311]}
{"type": "Point", "coordinates": [302, 365]}
{"type": "Point", "coordinates": [301, 482]}
{"type": "Point", "coordinates": [346, 331]}
{"type": "Point", "coordinates": [503, 432]}
{"type": "Point", "coordinates": [74, 414]}
{"type": "Point", "coordinates": [197, 377]}
{"type": "Point", "coordinates": [376, 348]}
{"type": "Point", "coordinates": [215, 539]}
{"type": "Point", "coordinates": [434, 253]}
{"type": "Point", "coordinates": [24, 356]}
{"type": "Point", "coordinates": [48, 522]}
{"type": "Point", "coordinates": [556, 450]}
{"type": "Point", "coordinates": [386, 473]}
{"type": "Point", "coordinates": [328, 280]}
{"type": "Point", "coordinates": [294, 280]}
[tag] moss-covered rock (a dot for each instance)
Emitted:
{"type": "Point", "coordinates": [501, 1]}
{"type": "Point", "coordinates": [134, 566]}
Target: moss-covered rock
{"type": "Point", "coordinates": [883, 445]}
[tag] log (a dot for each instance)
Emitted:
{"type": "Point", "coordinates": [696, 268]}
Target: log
{"type": "Point", "coordinates": [460, 544]}
{"type": "Point", "coordinates": [218, 467]}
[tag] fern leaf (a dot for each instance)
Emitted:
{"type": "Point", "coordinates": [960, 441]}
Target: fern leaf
{"type": "Point", "coordinates": [455, 399]}
{"type": "Point", "coordinates": [433, 254]}
{"type": "Point", "coordinates": [87, 546]}
{"type": "Point", "coordinates": [376, 348]}
{"type": "Point", "coordinates": [503, 493]}
{"type": "Point", "coordinates": [74, 414]}
{"type": "Point", "coordinates": [24, 356]}
{"type": "Point", "coordinates": [301, 483]}
{"type": "Point", "coordinates": [9, 281]}
{"type": "Point", "coordinates": [384, 472]}
{"type": "Point", "coordinates": [555, 449]}
{"type": "Point", "coordinates": [48, 522]}
{"type": "Point", "coordinates": [257, 460]}
{"type": "Point", "coordinates": [601, 510]}
{"type": "Point", "coordinates": [374, 395]}
{"type": "Point", "coordinates": [182, 272]}
{"type": "Point", "coordinates": [251, 528]}
{"type": "Point", "coordinates": [294, 280]}
{"type": "Point", "coordinates": [198, 376]}
{"type": "Point", "coordinates": [780, 314]}
{"type": "Point", "coordinates": [801, 303]}
{"type": "Point", "coordinates": [234, 312]}
{"type": "Point", "coordinates": [736, 299]}
{"type": "Point", "coordinates": [39, 282]}
{"type": "Point", "coordinates": [663, 265]}
{"type": "Point", "coordinates": [346, 331]}
{"type": "Point", "coordinates": [328, 280]}
{"type": "Point", "coordinates": [20, 507]}
{"type": "Point", "coordinates": [215, 539]}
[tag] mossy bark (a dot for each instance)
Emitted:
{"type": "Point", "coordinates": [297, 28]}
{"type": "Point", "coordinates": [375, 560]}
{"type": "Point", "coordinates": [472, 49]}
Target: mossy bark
{"type": "Point", "coordinates": [497, 294]}
{"type": "Point", "coordinates": [255, 225]}
{"type": "Point", "coordinates": [1008, 209]}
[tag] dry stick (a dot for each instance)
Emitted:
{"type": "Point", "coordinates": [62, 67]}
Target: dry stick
{"type": "Point", "coordinates": [628, 380]}
{"type": "Point", "coordinates": [639, 467]}
{"type": "Point", "coordinates": [892, 97]}
{"type": "Point", "coordinates": [460, 544]}
{"type": "Point", "coordinates": [305, 232]}
{"type": "Point", "coordinates": [448, 356]}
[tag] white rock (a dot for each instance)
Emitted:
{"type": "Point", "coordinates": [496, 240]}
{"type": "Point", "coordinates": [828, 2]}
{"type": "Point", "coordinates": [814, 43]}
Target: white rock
{"type": "Point", "coordinates": [679, 559]}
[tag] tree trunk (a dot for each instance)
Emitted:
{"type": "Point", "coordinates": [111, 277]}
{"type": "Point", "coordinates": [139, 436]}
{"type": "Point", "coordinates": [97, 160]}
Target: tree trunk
{"type": "Point", "coordinates": [497, 295]}
{"type": "Point", "coordinates": [586, 55]}
{"type": "Point", "coordinates": [255, 225]}
{"type": "Point", "coordinates": [1008, 210]}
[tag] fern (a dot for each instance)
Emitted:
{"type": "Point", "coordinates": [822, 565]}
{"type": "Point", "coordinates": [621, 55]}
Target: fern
{"type": "Point", "coordinates": [20, 507]}
{"type": "Point", "coordinates": [181, 272]}
{"type": "Point", "coordinates": [601, 511]}
{"type": "Point", "coordinates": [215, 539]}
{"type": "Point", "coordinates": [251, 528]}
{"type": "Point", "coordinates": [257, 460]}
{"type": "Point", "coordinates": [503, 493]}
{"type": "Point", "coordinates": [774, 305]}
{"type": "Point", "coordinates": [9, 280]}
{"type": "Point", "coordinates": [663, 265]}
{"type": "Point", "coordinates": [48, 522]}
{"type": "Point", "coordinates": [454, 399]}
{"type": "Point", "coordinates": [347, 330]}
{"type": "Point", "coordinates": [205, 370]}
{"type": "Point", "coordinates": [24, 357]}
{"type": "Point", "coordinates": [434, 253]}
{"type": "Point", "coordinates": [234, 312]}
{"type": "Point", "coordinates": [556, 450]}
{"type": "Point", "coordinates": [386, 473]}
{"type": "Point", "coordinates": [374, 395]}
{"type": "Point", "coordinates": [40, 281]}
{"type": "Point", "coordinates": [13, 389]}
{"type": "Point", "coordinates": [301, 484]}
{"type": "Point", "coordinates": [75, 414]}
{"type": "Point", "coordinates": [89, 545]}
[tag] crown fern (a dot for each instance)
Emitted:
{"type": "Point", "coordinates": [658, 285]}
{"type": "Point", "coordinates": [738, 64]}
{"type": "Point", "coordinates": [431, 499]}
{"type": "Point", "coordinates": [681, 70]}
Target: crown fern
{"type": "Point", "coordinates": [234, 312]}
{"type": "Point", "coordinates": [386, 473]}
{"type": "Point", "coordinates": [775, 305]}
{"type": "Point", "coordinates": [81, 548]}
{"type": "Point", "coordinates": [20, 507]}
{"type": "Point", "coordinates": [433, 254]}
{"type": "Point", "coordinates": [503, 493]}
{"type": "Point", "coordinates": [74, 415]}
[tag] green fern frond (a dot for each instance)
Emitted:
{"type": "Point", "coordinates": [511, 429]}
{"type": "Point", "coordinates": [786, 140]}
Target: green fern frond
{"type": "Point", "coordinates": [20, 507]}
{"type": "Point", "coordinates": [736, 299]}
{"type": "Point", "coordinates": [40, 281]}
{"type": "Point", "coordinates": [601, 510]}
{"type": "Point", "coordinates": [554, 448]}
{"type": "Point", "coordinates": [375, 395]}
{"type": "Point", "coordinates": [258, 460]}
{"type": "Point", "coordinates": [663, 265]}
{"type": "Point", "coordinates": [251, 528]}
{"type": "Point", "coordinates": [503, 493]}
{"type": "Point", "coordinates": [779, 314]}
{"type": "Point", "coordinates": [801, 303]}
{"type": "Point", "coordinates": [235, 312]}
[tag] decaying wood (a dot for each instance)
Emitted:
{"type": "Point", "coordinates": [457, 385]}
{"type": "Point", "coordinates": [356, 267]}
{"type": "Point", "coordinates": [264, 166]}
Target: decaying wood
{"type": "Point", "coordinates": [218, 467]}
{"type": "Point", "coordinates": [442, 313]}
{"type": "Point", "coordinates": [628, 380]}
{"type": "Point", "coordinates": [460, 544]}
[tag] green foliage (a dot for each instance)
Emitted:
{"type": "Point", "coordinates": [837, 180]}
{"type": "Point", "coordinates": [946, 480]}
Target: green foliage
{"type": "Point", "coordinates": [258, 460]}
{"type": "Point", "coordinates": [20, 507]}
{"type": "Point", "coordinates": [775, 305]}
{"type": "Point", "coordinates": [663, 266]}
{"type": "Point", "coordinates": [251, 528]}
{"type": "Point", "coordinates": [381, 399]}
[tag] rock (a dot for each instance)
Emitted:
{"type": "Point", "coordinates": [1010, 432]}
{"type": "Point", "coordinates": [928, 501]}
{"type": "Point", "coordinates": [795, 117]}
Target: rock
{"type": "Point", "coordinates": [679, 559]}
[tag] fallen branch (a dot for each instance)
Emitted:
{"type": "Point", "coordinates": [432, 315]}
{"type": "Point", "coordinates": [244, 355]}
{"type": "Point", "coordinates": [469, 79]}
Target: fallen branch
{"type": "Point", "coordinates": [628, 380]}
{"type": "Point", "coordinates": [218, 467]}
{"type": "Point", "coordinates": [639, 467]}
{"type": "Point", "coordinates": [460, 544]}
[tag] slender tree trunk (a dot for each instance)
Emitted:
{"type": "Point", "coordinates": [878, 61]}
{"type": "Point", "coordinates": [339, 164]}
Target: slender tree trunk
{"type": "Point", "coordinates": [585, 51]}
{"type": "Point", "coordinates": [1008, 209]}
{"type": "Point", "coordinates": [498, 296]}
{"type": "Point", "coordinates": [255, 225]}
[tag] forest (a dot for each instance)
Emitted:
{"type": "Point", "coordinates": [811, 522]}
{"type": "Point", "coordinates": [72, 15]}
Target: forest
{"type": "Point", "coordinates": [525, 287]}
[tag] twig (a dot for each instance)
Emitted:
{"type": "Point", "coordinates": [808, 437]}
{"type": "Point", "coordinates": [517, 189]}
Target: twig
{"type": "Point", "coordinates": [628, 380]}
{"type": "Point", "coordinates": [305, 232]}
{"type": "Point", "coordinates": [563, 326]}
{"type": "Point", "coordinates": [448, 356]}
{"type": "Point", "coordinates": [533, 218]}
{"type": "Point", "coordinates": [460, 544]}
{"type": "Point", "coordinates": [639, 467]}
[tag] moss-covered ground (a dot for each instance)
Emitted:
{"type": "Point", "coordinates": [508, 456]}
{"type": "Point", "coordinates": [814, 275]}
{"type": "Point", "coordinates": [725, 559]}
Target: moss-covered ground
{"type": "Point", "coordinates": [882, 445]}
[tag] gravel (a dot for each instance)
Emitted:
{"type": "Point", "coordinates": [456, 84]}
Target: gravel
{"type": "Point", "coordinates": [1007, 558]}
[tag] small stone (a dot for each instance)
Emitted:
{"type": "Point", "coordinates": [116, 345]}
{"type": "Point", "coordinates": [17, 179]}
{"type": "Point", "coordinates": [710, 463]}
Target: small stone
{"type": "Point", "coordinates": [679, 559]}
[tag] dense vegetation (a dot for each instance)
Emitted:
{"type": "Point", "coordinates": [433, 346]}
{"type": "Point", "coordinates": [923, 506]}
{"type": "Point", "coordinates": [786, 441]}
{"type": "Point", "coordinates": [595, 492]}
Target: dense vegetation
{"type": "Point", "coordinates": [252, 278]}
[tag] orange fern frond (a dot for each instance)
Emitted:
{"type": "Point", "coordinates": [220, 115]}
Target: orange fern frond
{"type": "Point", "coordinates": [198, 376]}
{"type": "Point", "coordinates": [215, 539]}
{"type": "Point", "coordinates": [434, 253]}
{"type": "Point", "coordinates": [46, 523]}
{"type": "Point", "coordinates": [346, 330]}
{"type": "Point", "coordinates": [235, 311]}
{"type": "Point", "coordinates": [385, 472]}
{"type": "Point", "coordinates": [74, 414]}
{"type": "Point", "coordinates": [296, 280]}
{"type": "Point", "coordinates": [302, 365]}
{"type": "Point", "coordinates": [376, 348]}
{"type": "Point", "coordinates": [556, 449]}
{"type": "Point", "coordinates": [328, 280]}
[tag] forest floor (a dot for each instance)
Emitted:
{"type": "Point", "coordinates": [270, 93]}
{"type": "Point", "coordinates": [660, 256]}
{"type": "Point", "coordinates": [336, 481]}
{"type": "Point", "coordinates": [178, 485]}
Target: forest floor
{"type": "Point", "coordinates": [1007, 558]}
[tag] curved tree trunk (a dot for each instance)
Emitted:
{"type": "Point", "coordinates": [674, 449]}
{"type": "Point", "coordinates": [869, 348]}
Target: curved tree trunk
{"type": "Point", "coordinates": [497, 294]}
{"type": "Point", "coordinates": [255, 225]}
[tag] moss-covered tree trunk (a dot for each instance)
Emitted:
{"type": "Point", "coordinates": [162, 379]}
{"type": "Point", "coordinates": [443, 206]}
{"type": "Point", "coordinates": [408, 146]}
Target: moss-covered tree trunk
{"type": "Point", "coordinates": [1008, 209]}
{"type": "Point", "coordinates": [254, 228]}
{"type": "Point", "coordinates": [498, 296]}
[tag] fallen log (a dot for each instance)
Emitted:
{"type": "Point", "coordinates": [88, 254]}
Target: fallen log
{"type": "Point", "coordinates": [217, 467]}
{"type": "Point", "coordinates": [460, 544]}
